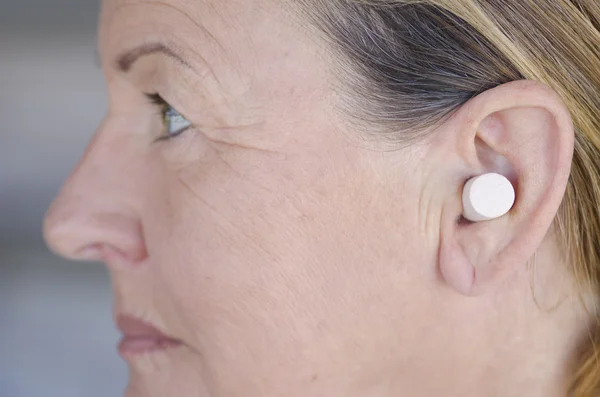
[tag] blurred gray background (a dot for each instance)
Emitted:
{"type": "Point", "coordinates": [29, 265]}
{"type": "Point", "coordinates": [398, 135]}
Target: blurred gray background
{"type": "Point", "coordinates": [56, 332]}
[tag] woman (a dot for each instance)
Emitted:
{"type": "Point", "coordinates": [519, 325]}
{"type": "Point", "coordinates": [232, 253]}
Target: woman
{"type": "Point", "coordinates": [277, 191]}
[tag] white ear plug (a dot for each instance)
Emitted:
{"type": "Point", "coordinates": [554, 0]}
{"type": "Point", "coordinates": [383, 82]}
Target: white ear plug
{"type": "Point", "coordinates": [487, 197]}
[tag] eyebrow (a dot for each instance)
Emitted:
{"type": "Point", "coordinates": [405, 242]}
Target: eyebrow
{"type": "Point", "coordinates": [126, 60]}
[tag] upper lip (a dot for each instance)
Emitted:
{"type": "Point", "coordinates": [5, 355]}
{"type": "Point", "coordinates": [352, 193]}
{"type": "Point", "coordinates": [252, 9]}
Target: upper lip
{"type": "Point", "coordinates": [132, 327]}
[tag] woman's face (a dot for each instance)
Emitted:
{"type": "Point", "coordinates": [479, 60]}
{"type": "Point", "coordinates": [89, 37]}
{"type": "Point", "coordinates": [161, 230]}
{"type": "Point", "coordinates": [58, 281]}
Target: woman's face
{"type": "Point", "coordinates": [287, 257]}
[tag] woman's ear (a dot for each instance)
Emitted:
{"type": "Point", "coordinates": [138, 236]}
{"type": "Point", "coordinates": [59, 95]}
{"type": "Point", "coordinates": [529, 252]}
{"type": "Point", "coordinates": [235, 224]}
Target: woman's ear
{"type": "Point", "coordinates": [523, 131]}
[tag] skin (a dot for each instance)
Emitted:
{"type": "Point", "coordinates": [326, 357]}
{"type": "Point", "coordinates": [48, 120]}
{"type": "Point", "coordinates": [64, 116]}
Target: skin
{"type": "Point", "coordinates": [289, 258]}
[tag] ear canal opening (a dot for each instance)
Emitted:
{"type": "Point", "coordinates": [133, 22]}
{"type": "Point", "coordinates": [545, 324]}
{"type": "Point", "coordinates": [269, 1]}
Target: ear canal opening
{"type": "Point", "coordinates": [487, 197]}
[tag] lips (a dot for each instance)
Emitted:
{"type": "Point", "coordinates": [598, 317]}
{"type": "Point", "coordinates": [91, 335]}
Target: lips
{"type": "Point", "coordinates": [140, 337]}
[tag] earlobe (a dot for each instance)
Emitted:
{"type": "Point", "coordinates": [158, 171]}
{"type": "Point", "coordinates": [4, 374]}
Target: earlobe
{"type": "Point", "coordinates": [455, 267]}
{"type": "Point", "coordinates": [520, 129]}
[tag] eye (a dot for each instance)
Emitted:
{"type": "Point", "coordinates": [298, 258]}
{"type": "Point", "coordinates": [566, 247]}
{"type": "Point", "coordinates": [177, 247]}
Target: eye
{"type": "Point", "coordinates": [173, 122]}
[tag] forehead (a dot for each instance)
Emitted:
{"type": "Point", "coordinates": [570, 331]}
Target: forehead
{"type": "Point", "coordinates": [218, 26]}
{"type": "Point", "coordinates": [194, 9]}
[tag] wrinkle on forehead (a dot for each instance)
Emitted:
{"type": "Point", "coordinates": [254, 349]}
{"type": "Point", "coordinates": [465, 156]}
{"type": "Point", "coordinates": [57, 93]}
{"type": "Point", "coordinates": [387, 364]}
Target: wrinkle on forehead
{"type": "Point", "coordinates": [228, 12]}
{"type": "Point", "coordinates": [183, 8]}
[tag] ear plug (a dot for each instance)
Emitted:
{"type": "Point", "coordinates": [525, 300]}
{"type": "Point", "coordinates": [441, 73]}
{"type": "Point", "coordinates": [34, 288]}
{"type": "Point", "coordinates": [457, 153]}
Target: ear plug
{"type": "Point", "coordinates": [487, 197]}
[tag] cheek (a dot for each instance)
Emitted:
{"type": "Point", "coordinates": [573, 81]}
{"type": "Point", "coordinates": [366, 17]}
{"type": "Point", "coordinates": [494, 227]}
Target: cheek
{"type": "Point", "coordinates": [271, 255]}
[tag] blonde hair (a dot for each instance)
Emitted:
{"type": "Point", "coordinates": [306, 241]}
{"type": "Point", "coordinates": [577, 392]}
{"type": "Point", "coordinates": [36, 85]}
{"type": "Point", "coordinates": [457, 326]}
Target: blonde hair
{"type": "Point", "coordinates": [411, 63]}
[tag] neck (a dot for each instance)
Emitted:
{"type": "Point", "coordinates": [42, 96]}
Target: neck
{"type": "Point", "coordinates": [536, 326]}
{"type": "Point", "coordinates": [522, 340]}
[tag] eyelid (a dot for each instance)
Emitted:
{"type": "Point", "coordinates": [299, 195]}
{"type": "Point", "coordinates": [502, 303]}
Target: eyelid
{"type": "Point", "coordinates": [156, 99]}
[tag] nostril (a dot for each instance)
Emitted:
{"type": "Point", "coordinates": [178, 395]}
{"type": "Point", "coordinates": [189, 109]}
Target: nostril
{"type": "Point", "coordinates": [88, 231]}
{"type": "Point", "coordinates": [92, 252]}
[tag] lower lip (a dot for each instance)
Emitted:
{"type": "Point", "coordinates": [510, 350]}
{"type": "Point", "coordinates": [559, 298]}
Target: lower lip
{"type": "Point", "coordinates": [139, 345]}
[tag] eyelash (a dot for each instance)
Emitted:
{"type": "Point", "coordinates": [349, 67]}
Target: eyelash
{"type": "Point", "coordinates": [166, 111]}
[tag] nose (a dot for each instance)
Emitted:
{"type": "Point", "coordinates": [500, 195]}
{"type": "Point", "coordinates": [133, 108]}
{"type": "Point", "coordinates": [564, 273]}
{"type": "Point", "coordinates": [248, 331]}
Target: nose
{"type": "Point", "coordinates": [97, 210]}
